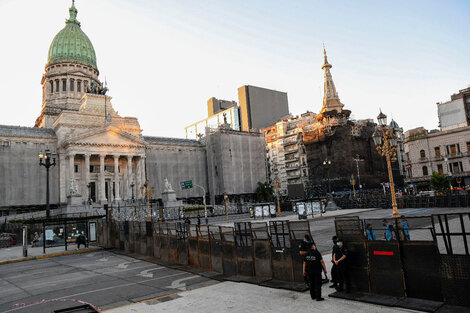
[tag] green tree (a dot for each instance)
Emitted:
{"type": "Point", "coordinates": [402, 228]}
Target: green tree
{"type": "Point", "coordinates": [439, 182]}
{"type": "Point", "coordinates": [264, 192]}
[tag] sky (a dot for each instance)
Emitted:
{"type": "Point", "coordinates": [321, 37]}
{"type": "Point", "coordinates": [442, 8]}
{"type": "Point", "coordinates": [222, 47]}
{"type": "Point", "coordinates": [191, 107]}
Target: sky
{"type": "Point", "coordinates": [163, 59]}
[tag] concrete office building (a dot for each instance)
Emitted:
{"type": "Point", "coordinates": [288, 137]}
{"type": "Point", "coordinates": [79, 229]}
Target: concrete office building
{"type": "Point", "coordinates": [261, 107]}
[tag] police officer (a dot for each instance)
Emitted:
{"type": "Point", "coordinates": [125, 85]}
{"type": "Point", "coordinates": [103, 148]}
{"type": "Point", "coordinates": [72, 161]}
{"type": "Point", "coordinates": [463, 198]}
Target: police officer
{"type": "Point", "coordinates": [305, 244]}
{"type": "Point", "coordinates": [312, 267]}
{"type": "Point", "coordinates": [334, 268]}
{"type": "Point", "coordinates": [339, 259]}
{"type": "Point", "coordinates": [389, 230]}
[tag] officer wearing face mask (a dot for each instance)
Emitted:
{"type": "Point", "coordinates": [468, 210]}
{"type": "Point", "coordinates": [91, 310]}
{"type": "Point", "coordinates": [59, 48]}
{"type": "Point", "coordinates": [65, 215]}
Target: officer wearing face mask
{"type": "Point", "coordinates": [339, 259]}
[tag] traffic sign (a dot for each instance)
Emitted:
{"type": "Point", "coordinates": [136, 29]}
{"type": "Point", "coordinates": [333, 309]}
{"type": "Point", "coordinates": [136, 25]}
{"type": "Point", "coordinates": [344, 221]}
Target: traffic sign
{"type": "Point", "coordinates": [188, 184]}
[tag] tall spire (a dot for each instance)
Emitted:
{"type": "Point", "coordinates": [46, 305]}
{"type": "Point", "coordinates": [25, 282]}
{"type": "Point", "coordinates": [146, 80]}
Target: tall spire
{"type": "Point", "coordinates": [73, 14]}
{"type": "Point", "coordinates": [330, 97]}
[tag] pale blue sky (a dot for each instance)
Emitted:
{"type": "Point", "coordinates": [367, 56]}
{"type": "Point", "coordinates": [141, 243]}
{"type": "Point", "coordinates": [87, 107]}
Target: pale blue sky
{"type": "Point", "coordinates": [164, 59]}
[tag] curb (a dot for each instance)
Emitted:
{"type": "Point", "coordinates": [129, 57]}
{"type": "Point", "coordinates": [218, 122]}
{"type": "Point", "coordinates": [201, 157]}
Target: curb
{"type": "Point", "coordinates": [49, 256]}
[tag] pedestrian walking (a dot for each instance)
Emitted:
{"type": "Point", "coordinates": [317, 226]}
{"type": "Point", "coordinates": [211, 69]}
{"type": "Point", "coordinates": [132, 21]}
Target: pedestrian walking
{"type": "Point", "coordinates": [389, 230]}
{"type": "Point", "coordinates": [312, 267]}
{"type": "Point", "coordinates": [339, 259]}
{"type": "Point", "coordinates": [334, 268]}
{"type": "Point", "coordinates": [370, 233]}
{"type": "Point", "coordinates": [405, 228]}
{"type": "Point", "coordinates": [198, 220]}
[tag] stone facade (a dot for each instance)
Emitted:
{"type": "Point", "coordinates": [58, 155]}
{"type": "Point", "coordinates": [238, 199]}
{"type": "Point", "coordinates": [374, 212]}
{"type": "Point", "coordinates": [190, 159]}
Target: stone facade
{"type": "Point", "coordinates": [445, 152]}
{"type": "Point", "coordinates": [103, 157]}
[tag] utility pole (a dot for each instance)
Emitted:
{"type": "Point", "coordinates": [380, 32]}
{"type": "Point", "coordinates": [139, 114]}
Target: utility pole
{"type": "Point", "coordinates": [277, 196]}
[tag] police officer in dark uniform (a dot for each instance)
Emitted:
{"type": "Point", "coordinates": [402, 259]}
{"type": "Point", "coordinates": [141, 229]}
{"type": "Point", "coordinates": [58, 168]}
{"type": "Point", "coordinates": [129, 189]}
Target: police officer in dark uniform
{"type": "Point", "coordinates": [334, 268]}
{"type": "Point", "coordinates": [303, 248]}
{"type": "Point", "coordinates": [312, 267]}
{"type": "Point", "coordinates": [339, 259]}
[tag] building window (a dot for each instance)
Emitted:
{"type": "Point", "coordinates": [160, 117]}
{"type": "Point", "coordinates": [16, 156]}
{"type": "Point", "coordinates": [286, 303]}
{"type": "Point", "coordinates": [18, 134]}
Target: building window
{"type": "Point", "coordinates": [57, 89]}
{"type": "Point", "coordinates": [64, 85]}
{"type": "Point", "coordinates": [79, 86]}
{"type": "Point", "coordinates": [425, 171]}
{"type": "Point", "coordinates": [94, 168]}
{"type": "Point", "coordinates": [85, 85]}
{"type": "Point", "coordinates": [72, 85]}
{"type": "Point", "coordinates": [422, 154]}
{"type": "Point", "coordinates": [109, 168]}
{"type": "Point", "coordinates": [52, 86]}
{"type": "Point", "coordinates": [437, 150]}
{"type": "Point", "coordinates": [440, 169]}
{"type": "Point", "coordinates": [452, 149]}
{"type": "Point", "coordinates": [75, 168]}
{"type": "Point", "coordinates": [468, 146]}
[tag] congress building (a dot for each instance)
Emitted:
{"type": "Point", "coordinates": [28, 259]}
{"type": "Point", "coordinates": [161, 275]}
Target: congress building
{"type": "Point", "coordinates": [102, 156]}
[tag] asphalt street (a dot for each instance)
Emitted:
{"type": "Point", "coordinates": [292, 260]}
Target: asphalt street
{"type": "Point", "coordinates": [103, 279]}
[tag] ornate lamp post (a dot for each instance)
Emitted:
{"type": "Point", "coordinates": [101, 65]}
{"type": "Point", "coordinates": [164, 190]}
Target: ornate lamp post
{"type": "Point", "coordinates": [386, 144]}
{"type": "Point", "coordinates": [47, 159]}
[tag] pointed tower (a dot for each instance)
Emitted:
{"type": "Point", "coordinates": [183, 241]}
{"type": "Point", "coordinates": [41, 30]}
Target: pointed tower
{"type": "Point", "coordinates": [330, 97]}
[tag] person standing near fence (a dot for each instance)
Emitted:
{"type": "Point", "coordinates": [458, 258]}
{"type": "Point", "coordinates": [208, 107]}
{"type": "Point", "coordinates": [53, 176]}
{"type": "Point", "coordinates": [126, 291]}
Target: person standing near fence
{"type": "Point", "coordinates": [312, 268]}
{"type": "Point", "coordinates": [339, 259]}
{"type": "Point", "coordinates": [370, 233]}
{"type": "Point", "coordinates": [334, 268]}
{"type": "Point", "coordinates": [389, 230]}
{"type": "Point", "coordinates": [405, 228]}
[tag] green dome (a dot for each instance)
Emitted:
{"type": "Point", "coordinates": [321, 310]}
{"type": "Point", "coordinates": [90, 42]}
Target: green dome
{"type": "Point", "coordinates": [71, 44]}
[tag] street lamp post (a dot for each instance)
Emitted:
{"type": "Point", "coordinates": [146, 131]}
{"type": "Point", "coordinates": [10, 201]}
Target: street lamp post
{"type": "Point", "coordinates": [386, 143]}
{"type": "Point", "coordinates": [45, 160]}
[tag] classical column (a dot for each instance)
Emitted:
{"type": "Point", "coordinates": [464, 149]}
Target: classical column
{"type": "Point", "coordinates": [116, 178]}
{"type": "Point", "coordinates": [71, 170]}
{"type": "Point", "coordinates": [86, 170]}
{"type": "Point", "coordinates": [138, 179]}
{"type": "Point", "coordinates": [102, 184]}
{"type": "Point", "coordinates": [142, 177]}
{"type": "Point", "coordinates": [129, 176]}
{"type": "Point", "coordinates": [63, 178]}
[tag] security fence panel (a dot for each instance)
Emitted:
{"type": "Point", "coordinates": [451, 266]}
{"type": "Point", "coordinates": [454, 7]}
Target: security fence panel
{"type": "Point", "coordinates": [216, 249]}
{"type": "Point", "coordinates": [172, 244]}
{"type": "Point", "coordinates": [193, 246]}
{"type": "Point", "coordinates": [126, 236]}
{"type": "Point", "coordinates": [157, 243]}
{"type": "Point", "coordinates": [229, 261]}
{"type": "Point", "coordinates": [455, 279]}
{"type": "Point", "coordinates": [297, 232]}
{"type": "Point", "coordinates": [164, 242]}
{"type": "Point", "coordinates": [452, 232]}
{"type": "Point", "coordinates": [386, 274]}
{"type": "Point", "coordinates": [420, 261]}
{"type": "Point", "coordinates": [143, 238]}
{"type": "Point", "coordinates": [281, 256]}
{"type": "Point", "coordinates": [261, 250]}
{"type": "Point", "coordinates": [131, 237]}
{"type": "Point", "coordinates": [244, 249]}
{"type": "Point", "coordinates": [182, 243]}
{"type": "Point", "coordinates": [350, 230]}
{"type": "Point", "coordinates": [204, 247]}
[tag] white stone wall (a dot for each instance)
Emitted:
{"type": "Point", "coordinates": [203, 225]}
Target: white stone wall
{"type": "Point", "coordinates": [22, 180]}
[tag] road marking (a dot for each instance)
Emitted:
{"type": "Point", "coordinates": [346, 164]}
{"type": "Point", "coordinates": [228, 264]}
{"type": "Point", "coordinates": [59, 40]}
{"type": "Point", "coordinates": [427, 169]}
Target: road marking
{"type": "Point", "coordinates": [124, 264]}
{"type": "Point", "coordinates": [147, 273]}
{"type": "Point", "coordinates": [107, 288]}
{"type": "Point", "coordinates": [90, 255]}
{"type": "Point", "coordinates": [178, 284]}
{"type": "Point", "coordinates": [105, 259]}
